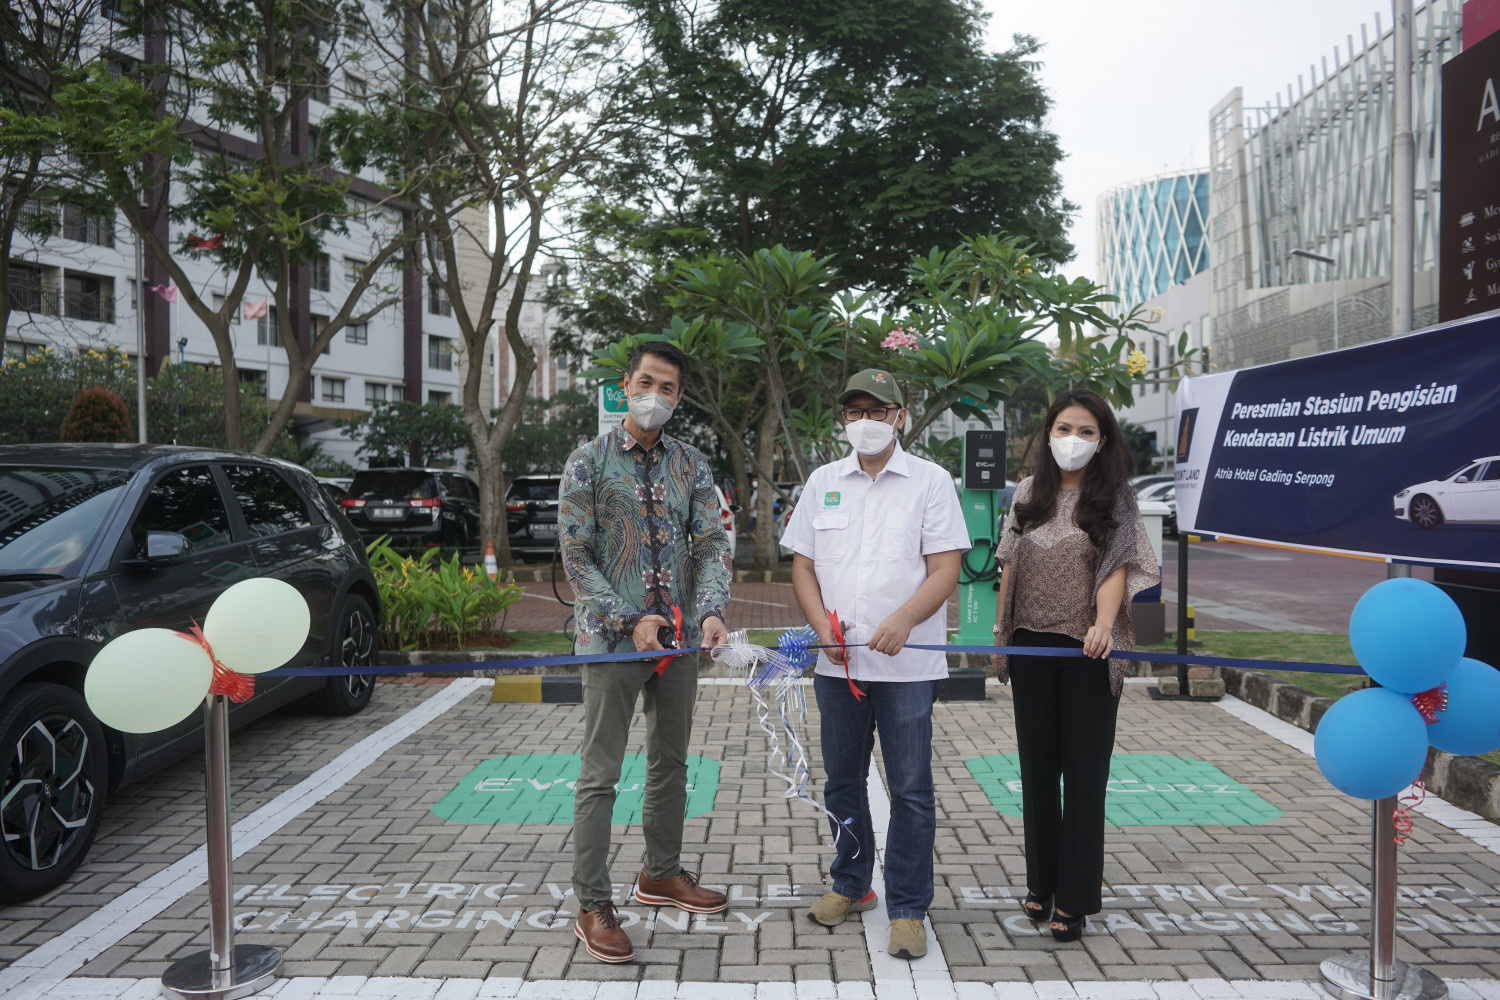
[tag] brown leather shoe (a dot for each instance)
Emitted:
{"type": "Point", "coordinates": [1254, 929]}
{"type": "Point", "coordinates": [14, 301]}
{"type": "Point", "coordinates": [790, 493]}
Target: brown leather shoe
{"type": "Point", "coordinates": [599, 930]}
{"type": "Point", "coordinates": [682, 891]}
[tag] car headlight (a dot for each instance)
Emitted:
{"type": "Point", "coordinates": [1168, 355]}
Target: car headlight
{"type": "Point", "coordinates": [1402, 494]}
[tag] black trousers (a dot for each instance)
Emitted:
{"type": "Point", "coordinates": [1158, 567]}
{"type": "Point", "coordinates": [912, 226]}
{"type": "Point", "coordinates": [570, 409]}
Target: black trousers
{"type": "Point", "coordinates": [1065, 730]}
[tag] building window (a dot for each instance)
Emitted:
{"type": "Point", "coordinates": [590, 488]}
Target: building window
{"type": "Point", "coordinates": [319, 324]}
{"type": "Point", "coordinates": [253, 376]}
{"type": "Point", "coordinates": [320, 84]}
{"type": "Point", "coordinates": [333, 389]}
{"type": "Point", "coordinates": [441, 398]}
{"type": "Point", "coordinates": [89, 298]}
{"type": "Point", "coordinates": [357, 333]}
{"type": "Point", "coordinates": [440, 353]}
{"type": "Point", "coordinates": [26, 290]}
{"type": "Point", "coordinates": [96, 229]}
{"type": "Point", "coordinates": [265, 328]}
{"type": "Point", "coordinates": [320, 269]}
{"type": "Point", "coordinates": [376, 393]}
{"type": "Point", "coordinates": [437, 300]}
{"type": "Point", "coordinates": [356, 87]}
{"type": "Point", "coordinates": [353, 267]}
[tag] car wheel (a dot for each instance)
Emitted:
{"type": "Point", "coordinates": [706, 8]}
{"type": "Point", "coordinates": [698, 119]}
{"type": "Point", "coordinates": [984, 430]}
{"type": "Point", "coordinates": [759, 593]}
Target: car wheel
{"type": "Point", "coordinates": [53, 775]}
{"type": "Point", "coordinates": [1425, 512]}
{"type": "Point", "coordinates": [352, 642]}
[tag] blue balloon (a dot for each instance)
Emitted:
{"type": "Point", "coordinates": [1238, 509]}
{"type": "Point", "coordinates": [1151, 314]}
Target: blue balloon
{"type": "Point", "coordinates": [1407, 634]}
{"type": "Point", "coordinates": [1372, 743]}
{"type": "Point", "coordinates": [1471, 723]}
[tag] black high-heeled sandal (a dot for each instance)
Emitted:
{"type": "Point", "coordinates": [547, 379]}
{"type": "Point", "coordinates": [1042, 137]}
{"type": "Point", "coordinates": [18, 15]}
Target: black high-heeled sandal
{"type": "Point", "coordinates": [1044, 904]}
{"type": "Point", "coordinates": [1073, 927]}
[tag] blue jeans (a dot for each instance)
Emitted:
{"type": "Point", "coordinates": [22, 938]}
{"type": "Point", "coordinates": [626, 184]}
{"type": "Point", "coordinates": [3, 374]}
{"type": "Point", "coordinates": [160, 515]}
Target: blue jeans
{"type": "Point", "coordinates": [902, 712]}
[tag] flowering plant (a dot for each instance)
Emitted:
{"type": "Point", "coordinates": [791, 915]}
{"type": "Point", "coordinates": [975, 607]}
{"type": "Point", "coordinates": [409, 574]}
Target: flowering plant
{"type": "Point", "coordinates": [900, 339]}
{"type": "Point", "coordinates": [1136, 363]}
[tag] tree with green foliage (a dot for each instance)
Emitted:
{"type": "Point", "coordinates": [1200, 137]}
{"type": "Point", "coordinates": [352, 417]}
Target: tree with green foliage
{"type": "Point", "coordinates": [549, 431]}
{"type": "Point", "coordinates": [974, 325]}
{"type": "Point", "coordinates": [98, 415]}
{"type": "Point", "coordinates": [428, 432]}
{"type": "Point", "coordinates": [863, 131]}
{"type": "Point", "coordinates": [218, 122]}
{"type": "Point", "coordinates": [485, 114]}
{"type": "Point", "coordinates": [184, 403]}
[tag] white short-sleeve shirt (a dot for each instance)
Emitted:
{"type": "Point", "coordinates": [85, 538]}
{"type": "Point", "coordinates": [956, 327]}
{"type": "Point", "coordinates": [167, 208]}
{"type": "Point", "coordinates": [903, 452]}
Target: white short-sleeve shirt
{"type": "Point", "coordinates": [867, 540]}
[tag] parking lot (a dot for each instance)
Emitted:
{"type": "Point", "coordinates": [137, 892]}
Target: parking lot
{"type": "Point", "coordinates": [422, 849]}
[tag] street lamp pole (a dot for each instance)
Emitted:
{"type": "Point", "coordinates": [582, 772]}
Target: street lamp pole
{"type": "Point", "coordinates": [1333, 264]}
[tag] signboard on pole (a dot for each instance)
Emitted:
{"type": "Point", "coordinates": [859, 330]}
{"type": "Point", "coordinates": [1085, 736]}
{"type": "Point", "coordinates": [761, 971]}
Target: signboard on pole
{"type": "Point", "coordinates": [1469, 220]}
{"type": "Point", "coordinates": [1391, 449]}
{"type": "Point", "coordinates": [613, 407]}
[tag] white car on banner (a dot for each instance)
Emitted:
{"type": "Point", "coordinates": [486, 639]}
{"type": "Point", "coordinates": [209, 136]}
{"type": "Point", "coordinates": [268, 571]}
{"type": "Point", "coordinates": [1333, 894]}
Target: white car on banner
{"type": "Point", "coordinates": [1471, 495]}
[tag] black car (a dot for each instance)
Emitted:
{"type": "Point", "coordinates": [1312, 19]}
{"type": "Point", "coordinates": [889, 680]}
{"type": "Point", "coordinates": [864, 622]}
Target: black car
{"type": "Point", "coordinates": [416, 508]}
{"type": "Point", "coordinates": [99, 540]}
{"type": "Point", "coordinates": [531, 514]}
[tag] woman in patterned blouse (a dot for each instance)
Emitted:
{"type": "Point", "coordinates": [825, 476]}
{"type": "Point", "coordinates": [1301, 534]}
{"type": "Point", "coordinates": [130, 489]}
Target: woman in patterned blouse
{"type": "Point", "coordinates": [1076, 552]}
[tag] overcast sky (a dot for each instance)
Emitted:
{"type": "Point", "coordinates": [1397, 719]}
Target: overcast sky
{"type": "Point", "coordinates": [1132, 82]}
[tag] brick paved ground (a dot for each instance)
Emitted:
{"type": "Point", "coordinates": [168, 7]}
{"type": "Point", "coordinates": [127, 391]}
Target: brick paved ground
{"type": "Point", "coordinates": [369, 882]}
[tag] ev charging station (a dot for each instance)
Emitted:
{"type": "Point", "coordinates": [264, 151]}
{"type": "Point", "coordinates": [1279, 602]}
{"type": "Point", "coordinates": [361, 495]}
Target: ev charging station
{"type": "Point", "coordinates": [979, 573]}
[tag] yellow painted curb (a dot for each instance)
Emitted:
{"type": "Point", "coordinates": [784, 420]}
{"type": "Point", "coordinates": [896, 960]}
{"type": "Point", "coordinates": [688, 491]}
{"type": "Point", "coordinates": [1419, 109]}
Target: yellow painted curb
{"type": "Point", "coordinates": [526, 689]}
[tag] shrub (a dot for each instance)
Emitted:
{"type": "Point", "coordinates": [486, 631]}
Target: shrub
{"type": "Point", "coordinates": [425, 601]}
{"type": "Point", "coordinates": [97, 415]}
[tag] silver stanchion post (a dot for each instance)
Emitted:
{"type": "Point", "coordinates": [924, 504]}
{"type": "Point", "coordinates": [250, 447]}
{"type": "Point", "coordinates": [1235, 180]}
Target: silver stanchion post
{"type": "Point", "coordinates": [226, 970]}
{"type": "Point", "coordinates": [1380, 975]}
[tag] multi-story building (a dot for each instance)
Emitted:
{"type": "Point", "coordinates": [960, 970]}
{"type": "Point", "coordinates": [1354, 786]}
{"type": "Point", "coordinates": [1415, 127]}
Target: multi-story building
{"type": "Point", "coordinates": [82, 288]}
{"type": "Point", "coordinates": [1153, 234]}
{"type": "Point", "coordinates": [1309, 172]}
{"type": "Point", "coordinates": [1153, 251]}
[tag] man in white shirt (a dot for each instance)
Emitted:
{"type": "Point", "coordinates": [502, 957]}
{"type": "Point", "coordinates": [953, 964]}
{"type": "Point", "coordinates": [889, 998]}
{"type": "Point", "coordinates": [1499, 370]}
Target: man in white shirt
{"type": "Point", "coordinates": [876, 543]}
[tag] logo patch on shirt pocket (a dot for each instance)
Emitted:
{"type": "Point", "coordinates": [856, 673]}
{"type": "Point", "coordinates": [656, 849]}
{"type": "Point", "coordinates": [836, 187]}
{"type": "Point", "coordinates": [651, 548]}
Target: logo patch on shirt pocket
{"type": "Point", "coordinates": [831, 498]}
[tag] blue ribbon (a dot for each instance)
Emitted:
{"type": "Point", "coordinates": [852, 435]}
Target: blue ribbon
{"type": "Point", "coordinates": [531, 662]}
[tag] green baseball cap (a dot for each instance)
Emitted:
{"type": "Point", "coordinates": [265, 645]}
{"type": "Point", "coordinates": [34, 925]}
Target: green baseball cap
{"type": "Point", "coordinates": [872, 382]}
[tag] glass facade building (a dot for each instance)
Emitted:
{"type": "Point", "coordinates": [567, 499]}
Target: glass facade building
{"type": "Point", "coordinates": [1318, 160]}
{"type": "Point", "coordinates": [1153, 235]}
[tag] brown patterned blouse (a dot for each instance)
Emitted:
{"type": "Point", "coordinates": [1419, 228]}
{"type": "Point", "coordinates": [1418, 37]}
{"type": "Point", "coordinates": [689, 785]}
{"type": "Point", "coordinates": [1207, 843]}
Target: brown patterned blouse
{"type": "Point", "coordinates": [1056, 573]}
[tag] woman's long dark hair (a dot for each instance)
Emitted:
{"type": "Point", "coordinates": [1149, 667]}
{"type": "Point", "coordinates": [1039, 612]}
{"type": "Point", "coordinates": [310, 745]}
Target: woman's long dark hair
{"type": "Point", "coordinates": [1102, 477]}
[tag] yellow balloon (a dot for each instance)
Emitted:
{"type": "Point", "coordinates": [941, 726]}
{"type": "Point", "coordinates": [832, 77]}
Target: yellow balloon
{"type": "Point", "coordinates": [257, 625]}
{"type": "Point", "coordinates": [148, 680]}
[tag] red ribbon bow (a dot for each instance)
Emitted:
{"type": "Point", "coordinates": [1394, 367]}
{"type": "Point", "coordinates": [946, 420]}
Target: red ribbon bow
{"type": "Point", "coordinates": [661, 667]}
{"type": "Point", "coordinates": [238, 687]}
{"type": "Point", "coordinates": [838, 637]}
{"type": "Point", "coordinates": [1431, 702]}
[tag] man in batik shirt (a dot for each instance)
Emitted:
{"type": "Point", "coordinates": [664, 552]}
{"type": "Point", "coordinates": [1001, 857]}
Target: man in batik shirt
{"type": "Point", "coordinates": [644, 549]}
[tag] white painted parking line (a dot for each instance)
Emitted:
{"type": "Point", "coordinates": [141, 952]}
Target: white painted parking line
{"type": "Point", "coordinates": [41, 971]}
{"type": "Point", "coordinates": [925, 977]}
{"type": "Point", "coordinates": [361, 987]}
{"type": "Point", "coordinates": [1462, 822]}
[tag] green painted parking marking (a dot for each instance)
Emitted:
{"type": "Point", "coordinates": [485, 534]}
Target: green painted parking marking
{"type": "Point", "coordinates": [537, 788]}
{"type": "Point", "coordinates": [1145, 789]}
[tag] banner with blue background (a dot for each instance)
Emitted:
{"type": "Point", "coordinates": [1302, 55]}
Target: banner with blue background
{"type": "Point", "coordinates": [1390, 448]}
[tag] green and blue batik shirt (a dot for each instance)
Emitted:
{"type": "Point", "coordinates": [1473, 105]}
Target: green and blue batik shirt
{"type": "Point", "coordinates": [640, 534]}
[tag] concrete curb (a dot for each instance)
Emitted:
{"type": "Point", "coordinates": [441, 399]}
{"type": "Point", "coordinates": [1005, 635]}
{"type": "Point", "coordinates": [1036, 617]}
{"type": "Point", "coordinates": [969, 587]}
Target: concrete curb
{"type": "Point", "coordinates": [1468, 782]}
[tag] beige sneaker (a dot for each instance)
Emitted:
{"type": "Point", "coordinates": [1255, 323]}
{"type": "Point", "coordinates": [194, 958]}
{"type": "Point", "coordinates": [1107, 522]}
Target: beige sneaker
{"type": "Point", "coordinates": [908, 938]}
{"type": "Point", "coordinates": [832, 909]}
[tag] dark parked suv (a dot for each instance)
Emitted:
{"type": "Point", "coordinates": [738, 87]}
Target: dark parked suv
{"type": "Point", "coordinates": [531, 514]}
{"type": "Point", "coordinates": [416, 508]}
{"type": "Point", "coordinates": [98, 540]}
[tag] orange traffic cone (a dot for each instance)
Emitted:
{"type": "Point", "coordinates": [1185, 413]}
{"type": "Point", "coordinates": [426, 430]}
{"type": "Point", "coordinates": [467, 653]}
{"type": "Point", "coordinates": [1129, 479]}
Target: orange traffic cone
{"type": "Point", "coordinates": [490, 565]}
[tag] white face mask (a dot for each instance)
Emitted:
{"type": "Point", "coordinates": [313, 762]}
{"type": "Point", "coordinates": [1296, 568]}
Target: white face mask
{"type": "Point", "coordinates": [1073, 452]}
{"type": "Point", "coordinates": [649, 410]}
{"type": "Point", "coordinates": [869, 437]}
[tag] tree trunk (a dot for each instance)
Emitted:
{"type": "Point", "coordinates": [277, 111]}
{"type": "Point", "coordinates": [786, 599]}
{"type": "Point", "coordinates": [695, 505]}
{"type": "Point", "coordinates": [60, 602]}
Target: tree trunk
{"type": "Point", "coordinates": [765, 522]}
{"type": "Point", "coordinates": [741, 473]}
